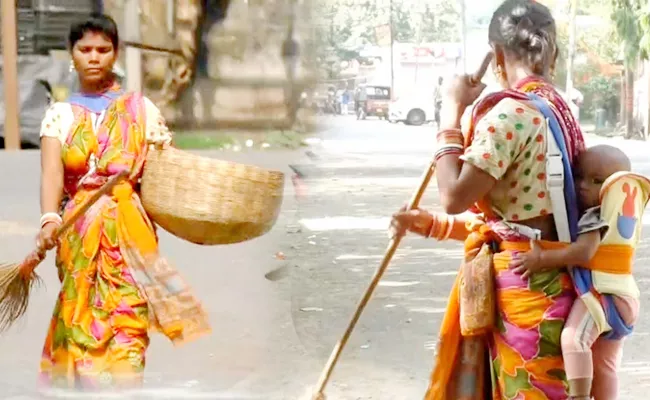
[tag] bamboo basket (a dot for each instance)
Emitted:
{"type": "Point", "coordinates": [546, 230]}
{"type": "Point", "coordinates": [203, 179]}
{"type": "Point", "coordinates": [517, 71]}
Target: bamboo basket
{"type": "Point", "coordinates": [208, 201]}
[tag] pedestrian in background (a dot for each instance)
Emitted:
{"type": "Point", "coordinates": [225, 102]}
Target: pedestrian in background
{"type": "Point", "coordinates": [437, 101]}
{"type": "Point", "coordinates": [345, 101]}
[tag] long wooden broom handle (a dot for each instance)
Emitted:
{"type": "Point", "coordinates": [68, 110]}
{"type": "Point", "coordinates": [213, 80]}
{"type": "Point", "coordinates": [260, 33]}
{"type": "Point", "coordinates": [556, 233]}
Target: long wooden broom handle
{"type": "Point", "coordinates": [390, 251]}
{"type": "Point", "coordinates": [105, 189]}
{"type": "Point", "coordinates": [475, 79]}
{"type": "Point", "coordinates": [150, 47]}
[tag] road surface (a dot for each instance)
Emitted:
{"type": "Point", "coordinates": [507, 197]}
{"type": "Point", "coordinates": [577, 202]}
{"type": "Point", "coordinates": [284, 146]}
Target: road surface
{"type": "Point", "coordinates": [361, 172]}
{"type": "Point", "coordinates": [248, 312]}
{"type": "Point", "coordinates": [272, 336]}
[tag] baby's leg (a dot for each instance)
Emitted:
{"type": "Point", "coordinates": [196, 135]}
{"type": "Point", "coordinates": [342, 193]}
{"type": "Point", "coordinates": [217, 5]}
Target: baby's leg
{"type": "Point", "coordinates": [607, 354]}
{"type": "Point", "coordinates": [579, 334]}
{"type": "Point", "coordinates": [607, 357]}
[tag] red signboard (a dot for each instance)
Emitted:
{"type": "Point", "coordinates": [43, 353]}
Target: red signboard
{"type": "Point", "coordinates": [429, 54]}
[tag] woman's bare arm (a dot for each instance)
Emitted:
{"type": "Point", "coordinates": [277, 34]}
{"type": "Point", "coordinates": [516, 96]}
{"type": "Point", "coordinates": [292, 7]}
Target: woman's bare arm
{"type": "Point", "coordinates": [460, 184]}
{"type": "Point", "coordinates": [51, 175]}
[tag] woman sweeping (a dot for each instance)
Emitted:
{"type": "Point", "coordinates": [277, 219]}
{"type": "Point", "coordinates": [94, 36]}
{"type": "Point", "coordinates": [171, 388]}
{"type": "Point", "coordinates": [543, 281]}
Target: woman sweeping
{"type": "Point", "coordinates": [115, 286]}
{"type": "Point", "coordinates": [501, 167]}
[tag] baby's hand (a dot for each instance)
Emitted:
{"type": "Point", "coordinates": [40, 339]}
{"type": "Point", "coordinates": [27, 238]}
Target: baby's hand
{"type": "Point", "coordinates": [528, 263]}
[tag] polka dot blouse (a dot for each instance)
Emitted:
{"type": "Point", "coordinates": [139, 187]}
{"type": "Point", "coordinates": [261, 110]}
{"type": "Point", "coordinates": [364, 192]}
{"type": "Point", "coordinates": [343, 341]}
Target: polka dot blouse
{"type": "Point", "coordinates": [510, 145]}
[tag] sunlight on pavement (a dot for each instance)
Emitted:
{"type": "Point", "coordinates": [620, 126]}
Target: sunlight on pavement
{"type": "Point", "coordinates": [345, 224]}
{"type": "Point", "coordinates": [430, 345]}
{"type": "Point", "coordinates": [14, 228]}
{"type": "Point", "coordinates": [444, 273]}
{"type": "Point", "coordinates": [452, 253]}
{"type": "Point", "coordinates": [427, 310]}
{"type": "Point", "coordinates": [433, 299]}
{"type": "Point", "coordinates": [636, 368]}
{"type": "Point", "coordinates": [398, 284]}
{"type": "Point", "coordinates": [170, 393]}
{"type": "Point", "coordinates": [363, 185]}
{"type": "Point", "coordinates": [344, 257]}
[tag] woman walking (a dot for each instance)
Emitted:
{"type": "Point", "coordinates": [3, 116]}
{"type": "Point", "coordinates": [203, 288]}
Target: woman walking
{"type": "Point", "coordinates": [500, 166]}
{"type": "Point", "coordinates": [115, 286]}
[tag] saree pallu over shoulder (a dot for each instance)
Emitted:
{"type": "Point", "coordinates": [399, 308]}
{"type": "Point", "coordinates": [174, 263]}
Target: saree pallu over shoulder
{"type": "Point", "coordinates": [122, 143]}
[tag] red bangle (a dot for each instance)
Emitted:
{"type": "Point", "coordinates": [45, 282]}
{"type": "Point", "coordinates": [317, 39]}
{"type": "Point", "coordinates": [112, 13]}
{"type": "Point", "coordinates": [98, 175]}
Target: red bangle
{"type": "Point", "coordinates": [449, 149]}
{"type": "Point", "coordinates": [450, 136]}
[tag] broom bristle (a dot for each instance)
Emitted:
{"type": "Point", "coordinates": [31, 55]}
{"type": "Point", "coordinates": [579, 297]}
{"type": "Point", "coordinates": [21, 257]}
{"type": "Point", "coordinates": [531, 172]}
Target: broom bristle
{"type": "Point", "coordinates": [15, 289]}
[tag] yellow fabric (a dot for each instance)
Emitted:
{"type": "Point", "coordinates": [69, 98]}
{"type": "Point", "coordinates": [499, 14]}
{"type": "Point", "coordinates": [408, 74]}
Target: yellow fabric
{"type": "Point", "coordinates": [624, 197]}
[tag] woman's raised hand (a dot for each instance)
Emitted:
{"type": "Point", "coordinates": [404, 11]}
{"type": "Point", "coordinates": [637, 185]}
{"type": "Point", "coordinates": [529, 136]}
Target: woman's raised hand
{"type": "Point", "coordinates": [463, 90]}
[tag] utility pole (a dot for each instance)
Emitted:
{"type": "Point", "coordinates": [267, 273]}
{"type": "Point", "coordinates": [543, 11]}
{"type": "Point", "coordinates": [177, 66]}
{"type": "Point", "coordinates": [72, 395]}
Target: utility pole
{"type": "Point", "coordinates": [10, 75]}
{"type": "Point", "coordinates": [392, 52]}
{"type": "Point", "coordinates": [133, 57]}
{"type": "Point", "coordinates": [572, 48]}
{"type": "Point", "coordinates": [463, 32]}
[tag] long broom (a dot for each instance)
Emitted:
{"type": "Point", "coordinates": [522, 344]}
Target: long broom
{"type": "Point", "coordinates": [390, 251]}
{"type": "Point", "coordinates": [18, 279]}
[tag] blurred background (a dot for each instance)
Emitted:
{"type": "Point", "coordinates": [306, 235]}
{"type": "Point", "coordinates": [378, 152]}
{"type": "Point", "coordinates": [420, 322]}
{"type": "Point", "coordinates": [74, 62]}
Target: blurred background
{"type": "Point", "coordinates": [222, 66]}
{"type": "Point", "coordinates": [210, 65]}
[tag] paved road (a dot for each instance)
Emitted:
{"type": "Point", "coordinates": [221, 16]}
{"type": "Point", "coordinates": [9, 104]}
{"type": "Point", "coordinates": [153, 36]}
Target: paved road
{"type": "Point", "coordinates": [271, 337]}
{"type": "Point", "coordinates": [361, 172]}
{"type": "Point", "coordinates": [249, 313]}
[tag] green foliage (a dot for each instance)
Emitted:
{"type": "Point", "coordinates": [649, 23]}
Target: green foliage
{"type": "Point", "coordinates": [601, 93]}
{"type": "Point", "coordinates": [344, 27]}
{"type": "Point", "coordinates": [403, 24]}
{"type": "Point", "coordinates": [632, 28]}
{"type": "Point", "coordinates": [644, 25]}
{"type": "Point", "coordinates": [440, 23]}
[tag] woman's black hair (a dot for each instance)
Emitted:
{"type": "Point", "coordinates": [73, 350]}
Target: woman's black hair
{"type": "Point", "coordinates": [526, 29]}
{"type": "Point", "coordinates": [96, 23]}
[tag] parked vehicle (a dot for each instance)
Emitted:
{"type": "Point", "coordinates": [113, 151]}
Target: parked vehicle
{"type": "Point", "coordinates": [412, 110]}
{"type": "Point", "coordinates": [321, 99]}
{"type": "Point", "coordinates": [376, 103]}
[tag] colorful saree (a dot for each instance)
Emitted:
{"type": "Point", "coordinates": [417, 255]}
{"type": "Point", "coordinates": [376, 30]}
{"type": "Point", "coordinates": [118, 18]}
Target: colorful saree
{"type": "Point", "coordinates": [115, 286]}
{"type": "Point", "coordinates": [521, 358]}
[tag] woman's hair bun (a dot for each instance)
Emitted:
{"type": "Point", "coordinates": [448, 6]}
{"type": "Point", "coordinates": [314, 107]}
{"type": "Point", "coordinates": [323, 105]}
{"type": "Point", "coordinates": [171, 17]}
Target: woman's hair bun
{"type": "Point", "coordinates": [526, 29]}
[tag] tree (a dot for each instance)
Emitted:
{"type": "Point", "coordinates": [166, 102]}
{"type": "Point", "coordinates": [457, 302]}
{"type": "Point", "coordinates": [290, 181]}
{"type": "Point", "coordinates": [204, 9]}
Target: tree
{"type": "Point", "coordinates": [339, 35]}
{"type": "Point", "coordinates": [440, 22]}
{"type": "Point", "coordinates": [631, 27]}
{"type": "Point", "coordinates": [596, 56]}
{"type": "Point", "coordinates": [403, 27]}
{"type": "Point", "coordinates": [344, 27]}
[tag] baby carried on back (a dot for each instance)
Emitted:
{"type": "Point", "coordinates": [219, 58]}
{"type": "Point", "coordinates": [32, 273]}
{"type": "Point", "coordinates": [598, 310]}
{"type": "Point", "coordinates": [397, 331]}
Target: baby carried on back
{"type": "Point", "coordinates": [612, 200]}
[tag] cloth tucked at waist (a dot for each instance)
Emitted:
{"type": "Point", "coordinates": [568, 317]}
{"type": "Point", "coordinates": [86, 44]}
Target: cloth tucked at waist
{"type": "Point", "coordinates": [611, 259]}
{"type": "Point", "coordinates": [459, 362]}
{"type": "Point", "coordinates": [611, 275]}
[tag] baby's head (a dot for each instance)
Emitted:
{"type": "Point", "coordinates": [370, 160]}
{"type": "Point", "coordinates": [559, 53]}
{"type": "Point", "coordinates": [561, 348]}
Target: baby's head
{"type": "Point", "coordinates": [595, 165]}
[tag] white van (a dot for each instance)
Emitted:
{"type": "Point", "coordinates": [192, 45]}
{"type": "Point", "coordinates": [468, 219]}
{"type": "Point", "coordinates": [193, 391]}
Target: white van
{"type": "Point", "coordinates": [412, 110]}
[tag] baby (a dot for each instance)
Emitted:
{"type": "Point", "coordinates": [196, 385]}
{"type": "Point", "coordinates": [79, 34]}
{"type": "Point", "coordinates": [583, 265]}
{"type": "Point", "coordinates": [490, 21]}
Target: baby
{"type": "Point", "coordinates": [591, 343]}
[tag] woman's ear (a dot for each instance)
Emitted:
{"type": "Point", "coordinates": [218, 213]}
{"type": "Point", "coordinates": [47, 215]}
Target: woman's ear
{"type": "Point", "coordinates": [499, 59]}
